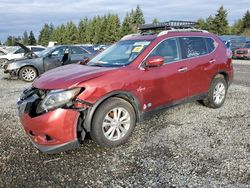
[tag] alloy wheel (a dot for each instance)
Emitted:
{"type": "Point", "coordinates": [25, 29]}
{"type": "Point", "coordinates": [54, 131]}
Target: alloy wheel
{"type": "Point", "coordinates": [28, 74]}
{"type": "Point", "coordinates": [116, 124]}
{"type": "Point", "coordinates": [219, 93]}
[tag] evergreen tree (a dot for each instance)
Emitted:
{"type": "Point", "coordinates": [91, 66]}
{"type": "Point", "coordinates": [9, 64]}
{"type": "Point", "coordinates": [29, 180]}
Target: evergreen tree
{"type": "Point", "coordinates": [97, 38]}
{"type": "Point", "coordinates": [155, 21]}
{"type": "Point", "coordinates": [210, 24]}
{"type": "Point", "coordinates": [51, 29]}
{"type": "Point", "coordinates": [126, 27]}
{"type": "Point", "coordinates": [104, 24]}
{"type": "Point", "coordinates": [32, 39]}
{"type": "Point", "coordinates": [71, 33]}
{"type": "Point", "coordinates": [201, 24]}
{"type": "Point", "coordinates": [137, 18]}
{"type": "Point", "coordinates": [220, 22]}
{"type": "Point", "coordinates": [90, 31]}
{"type": "Point", "coordinates": [112, 30]}
{"type": "Point", "coordinates": [246, 24]}
{"type": "Point", "coordinates": [236, 28]}
{"type": "Point", "coordinates": [11, 40]}
{"type": "Point", "coordinates": [44, 36]}
{"type": "Point", "coordinates": [246, 20]}
{"type": "Point", "coordinates": [25, 38]}
{"type": "Point", "coordinates": [82, 26]}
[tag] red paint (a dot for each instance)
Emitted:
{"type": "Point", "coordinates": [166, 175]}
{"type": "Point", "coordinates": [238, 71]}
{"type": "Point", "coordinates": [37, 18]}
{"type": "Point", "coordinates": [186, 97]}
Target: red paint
{"type": "Point", "coordinates": [59, 124]}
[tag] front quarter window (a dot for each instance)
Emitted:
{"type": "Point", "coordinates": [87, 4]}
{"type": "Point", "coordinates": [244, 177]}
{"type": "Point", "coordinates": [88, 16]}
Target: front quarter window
{"type": "Point", "coordinates": [120, 54]}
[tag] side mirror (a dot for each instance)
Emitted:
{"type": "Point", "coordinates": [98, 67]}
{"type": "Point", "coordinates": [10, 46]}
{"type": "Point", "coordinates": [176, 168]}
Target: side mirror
{"type": "Point", "coordinates": [154, 61]}
{"type": "Point", "coordinates": [49, 55]}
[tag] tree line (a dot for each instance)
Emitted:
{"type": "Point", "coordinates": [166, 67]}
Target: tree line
{"type": "Point", "coordinates": [218, 24]}
{"type": "Point", "coordinates": [108, 28]}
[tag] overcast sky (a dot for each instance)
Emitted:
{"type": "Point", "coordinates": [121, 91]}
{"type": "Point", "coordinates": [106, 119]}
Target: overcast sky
{"type": "Point", "coordinates": [16, 16]}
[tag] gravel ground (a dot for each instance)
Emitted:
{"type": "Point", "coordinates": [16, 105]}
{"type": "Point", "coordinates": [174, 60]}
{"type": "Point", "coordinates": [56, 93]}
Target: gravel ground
{"type": "Point", "coordinates": [187, 146]}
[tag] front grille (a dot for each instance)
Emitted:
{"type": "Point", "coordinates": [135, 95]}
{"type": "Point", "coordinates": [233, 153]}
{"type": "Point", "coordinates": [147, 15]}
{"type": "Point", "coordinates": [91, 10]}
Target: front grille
{"type": "Point", "coordinates": [33, 108]}
{"type": "Point", "coordinates": [241, 52]}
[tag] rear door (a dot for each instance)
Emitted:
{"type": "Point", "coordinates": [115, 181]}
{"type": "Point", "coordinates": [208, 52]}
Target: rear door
{"type": "Point", "coordinates": [166, 84]}
{"type": "Point", "coordinates": [198, 53]}
{"type": "Point", "coordinates": [54, 59]}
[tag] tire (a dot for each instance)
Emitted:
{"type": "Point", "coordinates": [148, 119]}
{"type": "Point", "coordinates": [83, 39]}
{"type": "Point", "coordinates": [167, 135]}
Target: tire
{"type": "Point", "coordinates": [109, 131]}
{"type": "Point", "coordinates": [217, 92]}
{"type": "Point", "coordinates": [28, 73]}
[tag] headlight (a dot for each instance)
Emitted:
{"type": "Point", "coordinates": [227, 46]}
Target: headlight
{"type": "Point", "coordinates": [10, 66]}
{"type": "Point", "coordinates": [58, 98]}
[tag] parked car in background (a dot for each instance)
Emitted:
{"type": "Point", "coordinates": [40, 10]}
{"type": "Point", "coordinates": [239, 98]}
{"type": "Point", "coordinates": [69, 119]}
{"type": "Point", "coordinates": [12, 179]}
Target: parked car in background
{"type": "Point", "coordinates": [3, 51]}
{"type": "Point", "coordinates": [242, 53]}
{"type": "Point", "coordinates": [33, 65]}
{"type": "Point", "coordinates": [138, 76]}
{"type": "Point", "coordinates": [18, 52]}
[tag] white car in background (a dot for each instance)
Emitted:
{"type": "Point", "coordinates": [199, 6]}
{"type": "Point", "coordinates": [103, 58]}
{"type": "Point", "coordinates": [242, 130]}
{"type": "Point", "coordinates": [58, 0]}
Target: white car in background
{"type": "Point", "coordinates": [18, 53]}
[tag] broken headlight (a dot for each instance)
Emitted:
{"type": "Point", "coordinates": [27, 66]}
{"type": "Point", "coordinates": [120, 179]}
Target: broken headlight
{"type": "Point", "coordinates": [59, 98]}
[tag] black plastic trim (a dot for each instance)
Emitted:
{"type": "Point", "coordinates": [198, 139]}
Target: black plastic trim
{"type": "Point", "coordinates": [162, 108]}
{"type": "Point", "coordinates": [131, 98]}
{"type": "Point", "coordinates": [57, 148]}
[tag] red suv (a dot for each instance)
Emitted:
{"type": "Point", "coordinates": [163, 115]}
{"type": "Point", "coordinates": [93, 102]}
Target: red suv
{"type": "Point", "coordinates": [138, 76]}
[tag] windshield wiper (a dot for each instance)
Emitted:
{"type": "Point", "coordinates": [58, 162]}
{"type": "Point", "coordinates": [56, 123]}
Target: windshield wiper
{"type": "Point", "coordinates": [97, 65]}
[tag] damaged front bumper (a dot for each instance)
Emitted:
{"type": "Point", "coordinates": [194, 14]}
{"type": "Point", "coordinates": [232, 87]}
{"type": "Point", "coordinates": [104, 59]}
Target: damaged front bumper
{"type": "Point", "coordinates": [51, 132]}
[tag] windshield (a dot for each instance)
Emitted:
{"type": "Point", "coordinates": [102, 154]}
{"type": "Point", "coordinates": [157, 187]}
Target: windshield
{"type": "Point", "coordinates": [12, 49]}
{"type": "Point", "coordinates": [45, 52]}
{"type": "Point", "coordinates": [120, 54]}
{"type": "Point", "coordinates": [247, 46]}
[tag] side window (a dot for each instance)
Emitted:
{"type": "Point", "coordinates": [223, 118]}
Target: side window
{"type": "Point", "coordinates": [193, 47]}
{"type": "Point", "coordinates": [58, 52]}
{"type": "Point", "coordinates": [36, 49]}
{"type": "Point", "coordinates": [20, 50]}
{"type": "Point", "coordinates": [168, 50]}
{"type": "Point", "coordinates": [77, 50]}
{"type": "Point", "coordinates": [210, 44]}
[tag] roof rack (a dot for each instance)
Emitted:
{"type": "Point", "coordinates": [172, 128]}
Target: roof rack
{"type": "Point", "coordinates": [172, 24]}
{"type": "Point", "coordinates": [181, 30]}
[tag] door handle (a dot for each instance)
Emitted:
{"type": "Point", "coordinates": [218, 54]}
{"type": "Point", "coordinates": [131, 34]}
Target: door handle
{"type": "Point", "coordinates": [183, 69]}
{"type": "Point", "coordinates": [212, 61]}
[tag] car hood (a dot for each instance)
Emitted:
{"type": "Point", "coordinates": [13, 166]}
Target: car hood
{"type": "Point", "coordinates": [27, 51]}
{"type": "Point", "coordinates": [68, 76]}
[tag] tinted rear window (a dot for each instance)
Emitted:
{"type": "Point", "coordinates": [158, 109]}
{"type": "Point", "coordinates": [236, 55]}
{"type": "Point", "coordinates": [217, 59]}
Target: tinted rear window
{"type": "Point", "coordinates": [193, 47]}
{"type": "Point", "coordinates": [210, 44]}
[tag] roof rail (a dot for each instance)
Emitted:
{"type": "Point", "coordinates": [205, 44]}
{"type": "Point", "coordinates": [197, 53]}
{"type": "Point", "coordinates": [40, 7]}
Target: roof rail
{"type": "Point", "coordinates": [181, 30]}
{"type": "Point", "coordinates": [172, 24]}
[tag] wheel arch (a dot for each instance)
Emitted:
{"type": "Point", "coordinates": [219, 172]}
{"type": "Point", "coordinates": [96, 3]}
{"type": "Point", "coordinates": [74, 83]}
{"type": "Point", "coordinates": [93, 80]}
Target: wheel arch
{"type": "Point", "coordinates": [223, 73]}
{"type": "Point", "coordinates": [27, 65]}
{"type": "Point", "coordinates": [129, 97]}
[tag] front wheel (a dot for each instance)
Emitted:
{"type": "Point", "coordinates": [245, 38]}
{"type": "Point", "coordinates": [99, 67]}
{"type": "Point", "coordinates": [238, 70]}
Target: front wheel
{"type": "Point", "coordinates": [28, 73]}
{"type": "Point", "coordinates": [217, 93]}
{"type": "Point", "coordinates": [113, 122]}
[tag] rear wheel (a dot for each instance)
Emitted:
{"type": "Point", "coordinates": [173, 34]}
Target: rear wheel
{"type": "Point", "coordinates": [28, 73]}
{"type": "Point", "coordinates": [113, 122]}
{"type": "Point", "coordinates": [217, 93]}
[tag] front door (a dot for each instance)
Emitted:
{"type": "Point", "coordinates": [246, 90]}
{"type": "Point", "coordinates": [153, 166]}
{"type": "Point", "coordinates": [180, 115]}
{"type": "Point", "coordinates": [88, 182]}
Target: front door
{"type": "Point", "coordinates": [54, 59]}
{"type": "Point", "coordinates": [167, 84]}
